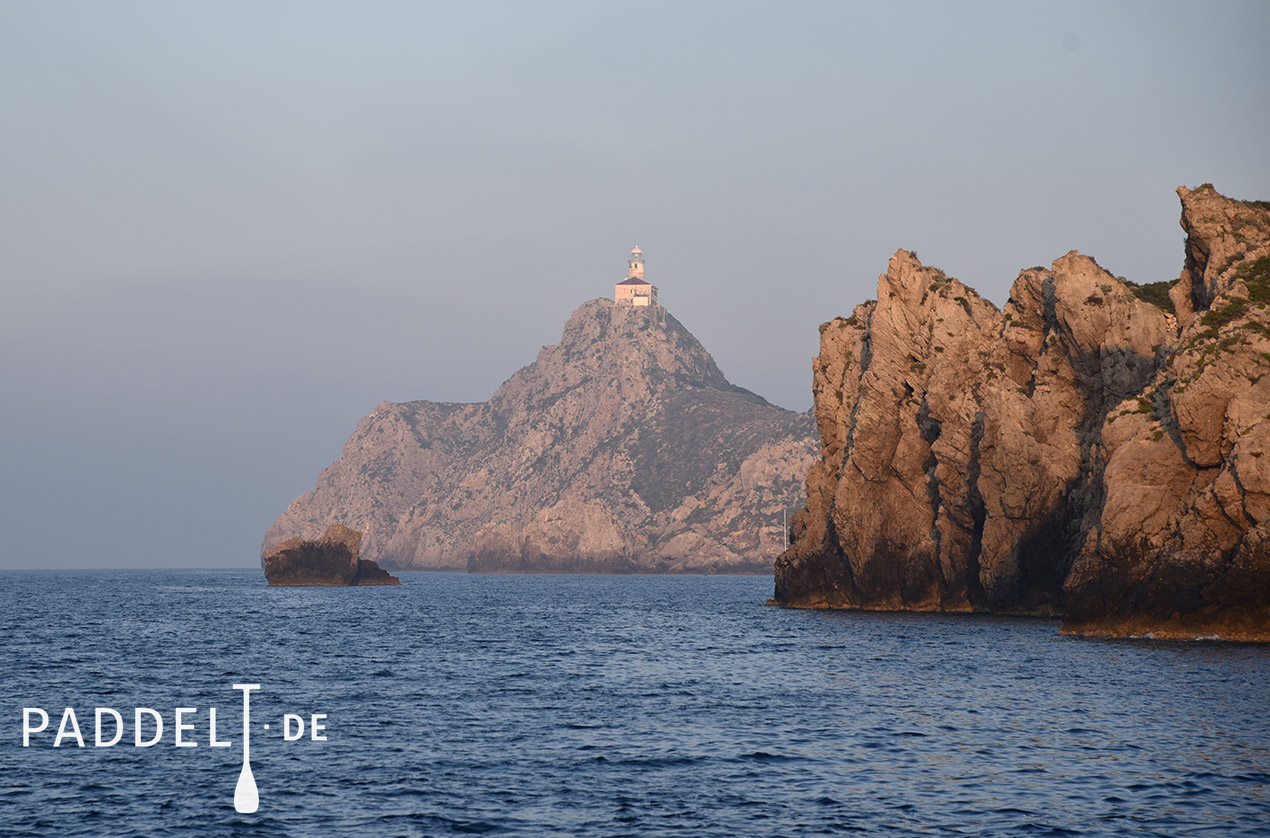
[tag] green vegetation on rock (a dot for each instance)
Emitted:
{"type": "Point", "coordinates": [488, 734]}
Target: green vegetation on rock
{"type": "Point", "coordinates": [1216, 318]}
{"type": "Point", "coordinates": [1155, 293]}
{"type": "Point", "coordinates": [1256, 279]}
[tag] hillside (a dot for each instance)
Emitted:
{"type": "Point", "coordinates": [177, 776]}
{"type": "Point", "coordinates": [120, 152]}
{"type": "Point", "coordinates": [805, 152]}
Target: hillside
{"type": "Point", "coordinates": [621, 448]}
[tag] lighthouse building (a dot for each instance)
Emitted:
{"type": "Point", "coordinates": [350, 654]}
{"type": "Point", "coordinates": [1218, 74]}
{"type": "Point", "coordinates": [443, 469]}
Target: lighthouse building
{"type": "Point", "coordinates": [634, 290]}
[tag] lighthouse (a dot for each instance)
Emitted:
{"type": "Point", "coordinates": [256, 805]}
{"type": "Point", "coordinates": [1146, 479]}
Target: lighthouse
{"type": "Point", "coordinates": [636, 264]}
{"type": "Point", "coordinates": [634, 290]}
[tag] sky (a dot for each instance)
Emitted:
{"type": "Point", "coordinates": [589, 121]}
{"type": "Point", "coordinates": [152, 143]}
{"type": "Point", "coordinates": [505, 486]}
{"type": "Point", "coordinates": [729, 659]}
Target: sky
{"type": "Point", "coordinates": [229, 229]}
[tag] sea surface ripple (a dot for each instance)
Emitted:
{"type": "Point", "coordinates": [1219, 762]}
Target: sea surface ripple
{"type": "Point", "coordinates": [613, 706]}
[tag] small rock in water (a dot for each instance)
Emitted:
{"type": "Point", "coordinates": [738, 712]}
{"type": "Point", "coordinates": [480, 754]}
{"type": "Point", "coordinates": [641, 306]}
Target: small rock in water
{"type": "Point", "coordinates": [330, 560]}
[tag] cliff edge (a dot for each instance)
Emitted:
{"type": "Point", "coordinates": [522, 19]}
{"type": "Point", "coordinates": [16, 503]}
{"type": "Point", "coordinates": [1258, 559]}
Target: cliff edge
{"type": "Point", "coordinates": [1096, 449]}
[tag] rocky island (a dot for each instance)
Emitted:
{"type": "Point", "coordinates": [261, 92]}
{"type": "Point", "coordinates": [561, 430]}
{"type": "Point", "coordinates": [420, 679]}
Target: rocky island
{"type": "Point", "coordinates": [1096, 449]}
{"type": "Point", "coordinates": [623, 448]}
{"type": "Point", "coordinates": [331, 560]}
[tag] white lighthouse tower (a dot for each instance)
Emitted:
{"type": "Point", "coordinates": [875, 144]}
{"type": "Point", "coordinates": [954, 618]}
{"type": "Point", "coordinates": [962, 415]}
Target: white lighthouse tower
{"type": "Point", "coordinates": [634, 290]}
{"type": "Point", "coordinates": [636, 263]}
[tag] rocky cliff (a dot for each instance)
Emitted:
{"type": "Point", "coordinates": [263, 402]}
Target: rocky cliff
{"type": "Point", "coordinates": [1096, 449]}
{"type": "Point", "coordinates": [622, 448]}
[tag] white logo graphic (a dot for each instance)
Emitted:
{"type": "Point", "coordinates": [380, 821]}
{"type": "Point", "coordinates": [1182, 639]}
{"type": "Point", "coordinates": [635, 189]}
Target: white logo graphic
{"type": "Point", "coordinates": [246, 796]}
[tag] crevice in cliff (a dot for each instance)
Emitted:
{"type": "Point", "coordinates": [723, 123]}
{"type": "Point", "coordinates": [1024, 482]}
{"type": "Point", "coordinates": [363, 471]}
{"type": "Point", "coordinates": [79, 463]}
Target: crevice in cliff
{"type": "Point", "coordinates": [1043, 560]}
{"type": "Point", "coordinates": [930, 429]}
{"type": "Point", "coordinates": [866, 346]}
{"type": "Point", "coordinates": [846, 449]}
{"type": "Point", "coordinates": [866, 358]}
{"type": "Point", "coordinates": [1168, 419]}
{"type": "Point", "coordinates": [1049, 315]}
{"type": "Point", "coordinates": [1030, 387]}
{"type": "Point", "coordinates": [1196, 265]}
{"type": "Point", "coordinates": [979, 514]}
{"type": "Point", "coordinates": [1243, 493]}
{"type": "Point", "coordinates": [843, 562]}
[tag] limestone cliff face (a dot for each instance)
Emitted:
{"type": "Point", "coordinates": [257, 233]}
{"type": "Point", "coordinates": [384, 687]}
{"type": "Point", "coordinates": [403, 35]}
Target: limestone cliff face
{"type": "Point", "coordinates": [1095, 449]}
{"type": "Point", "coordinates": [622, 448]}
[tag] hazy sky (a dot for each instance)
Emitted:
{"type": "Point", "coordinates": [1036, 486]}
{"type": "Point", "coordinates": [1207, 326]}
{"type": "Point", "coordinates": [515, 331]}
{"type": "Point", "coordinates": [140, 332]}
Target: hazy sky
{"type": "Point", "coordinates": [229, 230]}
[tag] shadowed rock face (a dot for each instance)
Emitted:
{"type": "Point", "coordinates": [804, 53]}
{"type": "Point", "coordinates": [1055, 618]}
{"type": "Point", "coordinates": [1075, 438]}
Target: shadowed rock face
{"type": "Point", "coordinates": [1095, 449]}
{"type": "Point", "coordinates": [622, 448]}
{"type": "Point", "coordinates": [331, 560]}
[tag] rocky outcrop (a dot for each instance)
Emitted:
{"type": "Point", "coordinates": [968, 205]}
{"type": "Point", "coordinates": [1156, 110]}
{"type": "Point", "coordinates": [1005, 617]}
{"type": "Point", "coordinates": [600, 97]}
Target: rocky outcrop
{"type": "Point", "coordinates": [1096, 449]}
{"type": "Point", "coordinates": [623, 449]}
{"type": "Point", "coordinates": [331, 560]}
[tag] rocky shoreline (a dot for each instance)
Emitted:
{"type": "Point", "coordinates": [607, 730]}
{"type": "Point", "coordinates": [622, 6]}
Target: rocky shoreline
{"type": "Point", "coordinates": [1096, 449]}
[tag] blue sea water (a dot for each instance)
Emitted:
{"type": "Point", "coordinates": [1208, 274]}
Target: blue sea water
{"type": "Point", "coordinates": [611, 706]}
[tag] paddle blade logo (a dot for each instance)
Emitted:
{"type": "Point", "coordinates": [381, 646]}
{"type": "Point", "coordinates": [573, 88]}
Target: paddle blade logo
{"type": "Point", "coordinates": [246, 797]}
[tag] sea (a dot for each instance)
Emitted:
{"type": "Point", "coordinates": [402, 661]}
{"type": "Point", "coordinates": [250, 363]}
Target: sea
{"type": "Point", "coordinates": [530, 705]}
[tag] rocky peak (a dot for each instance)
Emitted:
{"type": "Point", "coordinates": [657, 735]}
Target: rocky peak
{"type": "Point", "coordinates": [636, 351]}
{"type": "Point", "coordinates": [1219, 231]}
{"type": "Point", "coordinates": [622, 447]}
